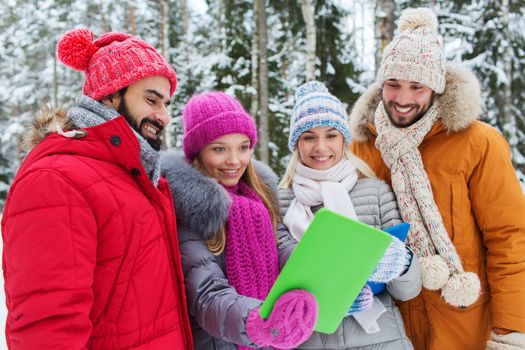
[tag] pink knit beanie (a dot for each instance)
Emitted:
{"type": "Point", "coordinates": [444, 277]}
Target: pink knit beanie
{"type": "Point", "coordinates": [208, 116]}
{"type": "Point", "coordinates": [416, 52]}
{"type": "Point", "coordinates": [112, 62]}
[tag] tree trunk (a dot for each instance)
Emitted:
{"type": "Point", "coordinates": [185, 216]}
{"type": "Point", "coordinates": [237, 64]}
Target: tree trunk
{"type": "Point", "coordinates": [105, 23]}
{"type": "Point", "coordinates": [506, 116]}
{"type": "Point", "coordinates": [254, 105]}
{"type": "Point", "coordinates": [132, 20]}
{"type": "Point", "coordinates": [307, 9]}
{"type": "Point", "coordinates": [220, 30]}
{"type": "Point", "coordinates": [55, 75]}
{"type": "Point", "coordinates": [185, 23]}
{"type": "Point", "coordinates": [263, 84]}
{"type": "Point", "coordinates": [163, 27]}
{"type": "Point", "coordinates": [384, 26]}
{"type": "Point", "coordinates": [164, 45]}
{"type": "Point", "coordinates": [186, 30]}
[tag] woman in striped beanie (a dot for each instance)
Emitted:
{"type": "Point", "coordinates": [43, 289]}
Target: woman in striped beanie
{"type": "Point", "coordinates": [322, 173]}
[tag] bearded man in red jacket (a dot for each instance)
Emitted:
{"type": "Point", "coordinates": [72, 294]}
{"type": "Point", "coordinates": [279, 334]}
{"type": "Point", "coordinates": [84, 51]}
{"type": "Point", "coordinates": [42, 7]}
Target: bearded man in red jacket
{"type": "Point", "coordinates": [91, 257]}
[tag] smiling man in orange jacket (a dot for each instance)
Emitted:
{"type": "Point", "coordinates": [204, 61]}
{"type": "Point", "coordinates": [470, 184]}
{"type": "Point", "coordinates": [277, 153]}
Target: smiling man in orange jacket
{"type": "Point", "coordinates": [417, 127]}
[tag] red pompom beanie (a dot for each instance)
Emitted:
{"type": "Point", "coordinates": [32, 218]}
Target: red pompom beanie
{"type": "Point", "coordinates": [112, 62]}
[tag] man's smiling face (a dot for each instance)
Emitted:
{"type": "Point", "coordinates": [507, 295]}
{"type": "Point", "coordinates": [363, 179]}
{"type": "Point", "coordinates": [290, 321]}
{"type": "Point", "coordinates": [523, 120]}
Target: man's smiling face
{"type": "Point", "coordinates": [406, 101]}
{"type": "Point", "coordinates": [144, 104]}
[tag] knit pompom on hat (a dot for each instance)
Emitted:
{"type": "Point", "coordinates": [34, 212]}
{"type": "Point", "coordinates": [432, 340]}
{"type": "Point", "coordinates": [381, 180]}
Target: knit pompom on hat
{"type": "Point", "coordinates": [211, 115]}
{"type": "Point", "coordinates": [315, 106]}
{"type": "Point", "coordinates": [416, 52]}
{"type": "Point", "coordinates": [112, 62]}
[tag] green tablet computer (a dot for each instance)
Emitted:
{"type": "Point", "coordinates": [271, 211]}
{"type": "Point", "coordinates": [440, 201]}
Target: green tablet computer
{"type": "Point", "coordinates": [333, 261]}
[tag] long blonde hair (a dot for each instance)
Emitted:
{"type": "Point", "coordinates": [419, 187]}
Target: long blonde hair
{"type": "Point", "coordinates": [363, 169]}
{"type": "Point", "coordinates": [217, 242]}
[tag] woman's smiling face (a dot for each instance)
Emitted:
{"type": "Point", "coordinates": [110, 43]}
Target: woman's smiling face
{"type": "Point", "coordinates": [226, 158]}
{"type": "Point", "coordinates": [320, 148]}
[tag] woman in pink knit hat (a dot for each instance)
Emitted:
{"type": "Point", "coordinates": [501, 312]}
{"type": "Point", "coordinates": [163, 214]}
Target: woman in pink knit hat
{"type": "Point", "coordinates": [227, 219]}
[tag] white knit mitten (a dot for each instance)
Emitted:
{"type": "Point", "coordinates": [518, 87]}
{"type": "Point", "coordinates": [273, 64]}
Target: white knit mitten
{"type": "Point", "coordinates": [393, 263]}
{"type": "Point", "coordinates": [511, 341]}
{"type": "Point", "coordinates": [363, 302]}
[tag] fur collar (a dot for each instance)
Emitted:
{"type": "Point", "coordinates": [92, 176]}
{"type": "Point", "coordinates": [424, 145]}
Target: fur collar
{"type": "Point", "coordinates": [201, 203]}
{"type": "Point", "coordinates": [46, 121]}
{"type": "Point", "coordinates": [459, 105]}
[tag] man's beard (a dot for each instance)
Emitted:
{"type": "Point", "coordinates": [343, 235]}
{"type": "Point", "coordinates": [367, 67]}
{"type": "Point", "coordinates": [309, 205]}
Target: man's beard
{"type": "Point", "coordinates": [420, 113]}
{"type": "Point", "coordinates": [154, 143]}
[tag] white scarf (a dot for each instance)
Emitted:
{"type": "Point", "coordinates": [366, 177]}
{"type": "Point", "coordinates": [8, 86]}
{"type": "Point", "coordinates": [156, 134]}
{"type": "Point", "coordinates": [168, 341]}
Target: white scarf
{"type": "Point", "coordinates": [315, 187]}
{"type": "Point", "coordinates": [329, 187]}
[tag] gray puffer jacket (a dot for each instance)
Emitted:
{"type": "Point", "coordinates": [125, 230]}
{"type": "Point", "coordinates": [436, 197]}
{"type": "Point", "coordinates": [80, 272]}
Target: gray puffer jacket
{"type": "Point", "coordinates": [217, 313]}
{"type": "Point", "coordinates": [375, 205]}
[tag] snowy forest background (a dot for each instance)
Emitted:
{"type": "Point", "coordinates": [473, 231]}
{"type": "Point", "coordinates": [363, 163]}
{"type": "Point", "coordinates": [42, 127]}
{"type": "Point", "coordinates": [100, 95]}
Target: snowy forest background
{"type": "Point", "coordinates": [259, 51]}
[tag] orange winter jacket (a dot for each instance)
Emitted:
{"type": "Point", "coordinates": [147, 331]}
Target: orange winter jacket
{"type": "Point", "coordinates": [483, 208]}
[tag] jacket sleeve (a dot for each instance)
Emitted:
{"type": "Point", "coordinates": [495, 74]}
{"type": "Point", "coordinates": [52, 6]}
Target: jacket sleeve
{"type": "Point", "coordinates": [409, 284]}
{"type": "Point", "coordinates": [498, 205]}
{"type": "Point", "coordinates": [49, 257]}
{"type": "Point", "coordinates": [388, 209]}
{"type": "Point", "coordinates": [212, 301]}
{"type": "Point", "coordinates": [285, 196]}
{"type": "Point", "coordinates": [285, 244]}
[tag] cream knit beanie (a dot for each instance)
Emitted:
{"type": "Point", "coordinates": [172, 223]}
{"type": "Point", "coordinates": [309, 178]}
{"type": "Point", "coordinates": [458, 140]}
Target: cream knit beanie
{"type": "Point", "coordinates": [416, 52]}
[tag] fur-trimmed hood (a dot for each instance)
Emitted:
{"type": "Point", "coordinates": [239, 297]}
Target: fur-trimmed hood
{"type": "Point", "coordinates": [47, 121]}
{"type": "Point", "coordinates": [201, 203]}
{"type": "Point", "coordinates": [89, 113]}
{"type": "Point", "coordinates": [459, 105]}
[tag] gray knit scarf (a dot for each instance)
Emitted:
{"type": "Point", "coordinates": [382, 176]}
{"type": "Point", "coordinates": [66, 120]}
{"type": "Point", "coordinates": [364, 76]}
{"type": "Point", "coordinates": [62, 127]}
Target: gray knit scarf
{"type": "Point", "coordinates": [428, 237]}
{"type": "Point", "coordinates": [89, 112]}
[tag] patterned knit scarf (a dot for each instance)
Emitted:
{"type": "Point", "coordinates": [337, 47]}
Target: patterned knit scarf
{"type": "Point", "coordinates": [441, 265]}
{"type": "Point", "coordinates": [252, 264]}
{"type": "Point", "coordinates": [90, 113]}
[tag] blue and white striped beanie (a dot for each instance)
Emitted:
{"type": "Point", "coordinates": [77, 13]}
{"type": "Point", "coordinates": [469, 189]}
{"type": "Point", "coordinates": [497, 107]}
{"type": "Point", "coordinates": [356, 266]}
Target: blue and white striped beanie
{"type": "Point", "coordinates": [315, 106]}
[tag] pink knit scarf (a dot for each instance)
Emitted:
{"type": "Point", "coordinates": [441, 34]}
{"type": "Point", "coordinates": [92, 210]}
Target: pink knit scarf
{"type": "Point", "coordinates": [252, 264]}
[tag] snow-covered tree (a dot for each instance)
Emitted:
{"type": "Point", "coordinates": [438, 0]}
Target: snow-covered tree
{"type": "Point", "coordinates": [212, 46]}
{"type": "Point", "coordinates": [497, 54]}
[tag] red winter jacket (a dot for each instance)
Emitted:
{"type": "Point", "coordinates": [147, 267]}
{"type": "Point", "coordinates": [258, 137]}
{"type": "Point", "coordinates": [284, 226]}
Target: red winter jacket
{"type": "Point", "coordinates": [91, 257]}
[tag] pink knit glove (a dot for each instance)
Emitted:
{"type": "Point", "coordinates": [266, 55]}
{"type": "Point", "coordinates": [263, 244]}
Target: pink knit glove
{"type": "Point", "coordinates": [291, 322]}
